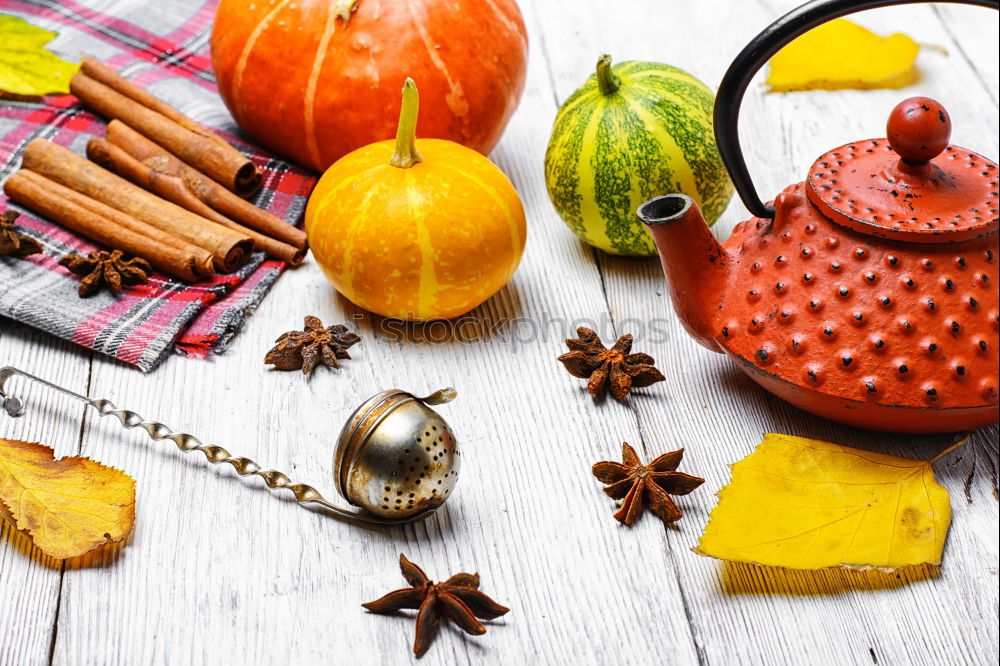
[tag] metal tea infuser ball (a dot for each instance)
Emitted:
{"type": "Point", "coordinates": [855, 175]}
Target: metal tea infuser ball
{"type": "Point", "coordinates": [396, 458]}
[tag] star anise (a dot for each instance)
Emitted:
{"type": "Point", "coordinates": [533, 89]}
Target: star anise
{"type": "Point", "coordinates": [12, 242]}
{"type": "Point", "coordinates": [110, 269]}
{"type": "Point", "coordinates": [653, 483]}
{"type": "Point", "coordinates": [457, 599]}
{"type": "Point", "coordinates": [305, 349]}
{"type": "Point", "coordinates": [589, 359]}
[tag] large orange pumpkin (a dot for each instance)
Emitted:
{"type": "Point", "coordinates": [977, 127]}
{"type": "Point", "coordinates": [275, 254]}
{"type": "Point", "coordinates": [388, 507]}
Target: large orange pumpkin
{"type": "Point", "coordinates": [315, 79]}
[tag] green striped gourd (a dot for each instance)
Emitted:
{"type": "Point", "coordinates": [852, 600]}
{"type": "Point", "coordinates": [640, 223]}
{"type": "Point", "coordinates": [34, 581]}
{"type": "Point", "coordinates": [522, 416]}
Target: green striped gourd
{"type": "Point", "coordinates": [633, 131]}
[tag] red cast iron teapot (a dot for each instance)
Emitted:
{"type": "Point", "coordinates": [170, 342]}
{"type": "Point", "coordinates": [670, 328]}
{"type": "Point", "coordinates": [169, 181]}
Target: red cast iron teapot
{"type": "Point", "coordinates": [866, 294]}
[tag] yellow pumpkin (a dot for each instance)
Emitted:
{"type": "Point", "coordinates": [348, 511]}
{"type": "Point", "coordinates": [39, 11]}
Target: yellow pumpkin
{"type": "Point", "coordinates": [416, 229]}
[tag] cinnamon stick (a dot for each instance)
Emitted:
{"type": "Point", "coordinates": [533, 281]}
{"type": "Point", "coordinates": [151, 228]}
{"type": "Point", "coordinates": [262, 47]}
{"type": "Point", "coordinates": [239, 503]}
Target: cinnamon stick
{"type": "Point", "coordinates": [173, 188]}
{"type": "Point", "coordinates": [104, 225]}
{"type": "Point", "coordinates": [205, 189]}
{"type": "Point", "coordinates": [229, 249]}
{"type": "Point", "coordinates": [101, 73]}
{"type": "Point", "coordinates": [154, 238]}
{"type": "Point", "coordinates": [222, 163]}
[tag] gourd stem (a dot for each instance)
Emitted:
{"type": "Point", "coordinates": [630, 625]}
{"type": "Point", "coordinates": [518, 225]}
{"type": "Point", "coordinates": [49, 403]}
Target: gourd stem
{"type": "Point", "coordinates": [406, 154]}
{"type": "Point", "coordinates": [607, 81]}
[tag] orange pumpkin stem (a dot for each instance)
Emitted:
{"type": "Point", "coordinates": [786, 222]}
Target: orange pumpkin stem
{"type": "Point", "coordinates": [406, 154]}
{"type": "Point", "coordinates": [343, 9]}
{"type": "Point", "coordinates": [607, 81]}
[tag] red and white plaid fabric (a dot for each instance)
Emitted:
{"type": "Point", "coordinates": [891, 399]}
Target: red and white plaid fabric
{"type": "Point", "coordinates": [164, 48]}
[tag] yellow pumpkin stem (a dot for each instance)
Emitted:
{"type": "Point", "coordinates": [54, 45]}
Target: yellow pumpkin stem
{"type": "Point", "coordinates": [607, 81]}
{"type": "Point", "coordinates": [406, 154]}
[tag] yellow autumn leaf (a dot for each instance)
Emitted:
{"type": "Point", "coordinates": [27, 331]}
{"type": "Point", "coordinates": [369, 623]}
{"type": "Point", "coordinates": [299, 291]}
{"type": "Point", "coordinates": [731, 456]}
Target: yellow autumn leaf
{"type": "Point", "coordinates": [26, 68]}
{"type": "Point", "coordinates": [69, 506]}
{"type": "Point", "coordinates": [843, 54]}
{"type": "Point", "coordinates": [806, 504]}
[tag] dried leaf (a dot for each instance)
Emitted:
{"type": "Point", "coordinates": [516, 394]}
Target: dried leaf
{"type": "Point", "coordinates": [806, 504]}
{"type": "Point", "coordinates": [25, 67]}
{"type": "Point", "coordinates": [67, 507]}
{"type": "Point", "coordinates": [843, 54]}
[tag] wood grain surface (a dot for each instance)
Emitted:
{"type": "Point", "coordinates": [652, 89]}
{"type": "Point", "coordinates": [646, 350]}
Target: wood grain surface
{"type": "Point", "coordinates": [221, 571]}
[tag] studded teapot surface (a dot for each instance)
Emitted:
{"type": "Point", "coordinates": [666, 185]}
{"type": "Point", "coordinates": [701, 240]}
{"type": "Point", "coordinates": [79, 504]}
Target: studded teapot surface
{"type": "Point", "coordinates": [867, 293]}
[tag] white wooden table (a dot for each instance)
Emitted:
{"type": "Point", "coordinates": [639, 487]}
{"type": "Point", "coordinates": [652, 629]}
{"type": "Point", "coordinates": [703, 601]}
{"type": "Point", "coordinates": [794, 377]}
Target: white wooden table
{"type": "Point", "coordinates": [218, 571]}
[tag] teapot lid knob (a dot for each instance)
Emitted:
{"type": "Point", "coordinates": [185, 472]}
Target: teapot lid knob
{"type": "Point", "coordinates": [918, 129]}
{"type": "Point", "coordinates": [910, 186]}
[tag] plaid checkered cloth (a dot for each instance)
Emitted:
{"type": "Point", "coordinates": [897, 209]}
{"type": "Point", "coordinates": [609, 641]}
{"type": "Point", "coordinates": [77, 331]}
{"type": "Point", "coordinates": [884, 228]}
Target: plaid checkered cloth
{"type": "Point", "coordinates": [163, 47]}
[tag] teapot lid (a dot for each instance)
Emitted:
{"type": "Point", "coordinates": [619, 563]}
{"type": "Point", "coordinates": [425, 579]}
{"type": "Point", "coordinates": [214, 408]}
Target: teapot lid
{"type": "Point", "coordinates": [912, 186]}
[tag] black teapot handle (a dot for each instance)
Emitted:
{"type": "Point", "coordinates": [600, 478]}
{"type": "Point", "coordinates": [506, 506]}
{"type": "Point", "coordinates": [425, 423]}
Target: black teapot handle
{"type": "Point", "coordinates": [752, 58]}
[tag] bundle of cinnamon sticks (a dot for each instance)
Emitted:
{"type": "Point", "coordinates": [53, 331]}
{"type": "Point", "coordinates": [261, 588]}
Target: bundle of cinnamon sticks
{"type": "Point", "coordinates": [159, 185]}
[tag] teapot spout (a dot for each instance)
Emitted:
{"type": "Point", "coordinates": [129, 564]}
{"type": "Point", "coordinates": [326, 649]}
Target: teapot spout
{"type": "Point", "coordinates": [695, 264]}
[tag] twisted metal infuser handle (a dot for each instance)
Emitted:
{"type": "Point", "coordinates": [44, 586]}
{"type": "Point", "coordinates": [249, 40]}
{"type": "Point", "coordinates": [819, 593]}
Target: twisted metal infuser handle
{"type": "Point", "coordinates": [305, 495]}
